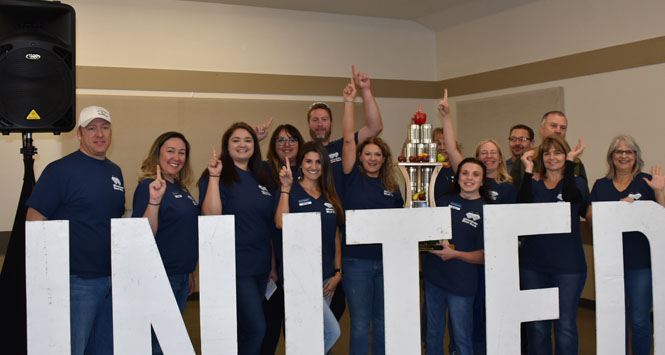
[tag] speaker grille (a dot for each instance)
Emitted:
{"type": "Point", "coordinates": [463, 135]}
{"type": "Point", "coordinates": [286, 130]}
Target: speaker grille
{"type": "Point", "coordinates": [38, 79]}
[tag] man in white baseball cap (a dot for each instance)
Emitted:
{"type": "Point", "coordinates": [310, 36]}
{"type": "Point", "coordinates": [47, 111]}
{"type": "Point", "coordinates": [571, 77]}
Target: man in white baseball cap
{"type": "Point", "coordinates": [87, 189]}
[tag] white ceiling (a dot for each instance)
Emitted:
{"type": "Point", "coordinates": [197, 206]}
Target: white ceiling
{"type": "Point", "coordinates": [434, 14]}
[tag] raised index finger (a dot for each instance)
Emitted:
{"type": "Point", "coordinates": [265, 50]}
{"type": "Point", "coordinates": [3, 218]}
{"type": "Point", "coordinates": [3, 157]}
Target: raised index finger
{"type": "Point", "coordinates": [288, 166]}
{"type": "Point", "coordinates": [445, 95]}
{"type": "Point", "coordinates": [353, 70]}
{"type": "Point", "coordinates": [159, 172]}
{"type": "Point", "coordinates": [214, 152]}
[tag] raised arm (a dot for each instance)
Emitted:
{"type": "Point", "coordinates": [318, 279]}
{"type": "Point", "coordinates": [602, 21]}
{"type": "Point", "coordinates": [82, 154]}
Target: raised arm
{"type": "Point", "coordinates": [657, 184]}
{"type": "Point", "coordinates": [212, 205]}
{"type": "Point", "coordinates": [263, 129]}
{"type": "Point", "coordinates": [569, 190]}
{"type": "Point", "coordinates": [349, 148]}
{"type": "Point", "coordinates": [333, 282]}
{"type": "Point", "coordinates": [286, 181]}
{"type": "Point", "coordinates": [449, 133]}
{"type": "Point", "coordinates": [373, 121]}
{"type": "Point", "coordinates": [156, 189]}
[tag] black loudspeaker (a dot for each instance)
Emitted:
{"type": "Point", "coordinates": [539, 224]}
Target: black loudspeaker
{"type": "Point", "coordinates": [37, 67]}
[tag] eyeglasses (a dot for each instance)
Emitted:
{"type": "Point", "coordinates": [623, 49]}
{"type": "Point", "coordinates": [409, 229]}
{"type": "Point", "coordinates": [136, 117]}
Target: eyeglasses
{"type": "Point", "coordinates": [624, 152]}
{"type": "Point", "coordinates": [319, 105]}
{"type": "Point", "coordinates": [286, 140]}
{"type": "Point", "coordinates": [520, 139]}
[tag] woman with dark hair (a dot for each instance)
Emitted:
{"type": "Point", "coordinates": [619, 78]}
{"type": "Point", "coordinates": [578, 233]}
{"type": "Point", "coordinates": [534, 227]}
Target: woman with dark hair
{"type": "Point", "coordinates": [315, 192]}
{"type": "Point", "coordinates": [450, 274]}
{"type": "Point", "coordinates": [162, 196]}
{"type": "Point", "coordinates": [235, 183]}
{"type": "Point", "coordinates": [370, 184]}
{"type": "Point", "coordinates": [285, 144]}
{"type": "Point", "coordinates": [625, 181]}
{"type": "Point", "coordinates": [555, 260]}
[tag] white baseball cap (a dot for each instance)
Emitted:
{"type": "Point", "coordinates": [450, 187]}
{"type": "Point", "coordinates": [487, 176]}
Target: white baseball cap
{"type": "Point", "coordinates": [91, 112]}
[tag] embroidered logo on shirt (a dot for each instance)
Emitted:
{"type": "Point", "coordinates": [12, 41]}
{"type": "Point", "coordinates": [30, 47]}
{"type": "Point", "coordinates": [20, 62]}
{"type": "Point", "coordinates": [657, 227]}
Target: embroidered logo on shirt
{"type": "Point", "coordinates": [329, 207]}
{"type": "Point", "coordinates": [305, 202]}
{"type": "Point", "coordinates": [559, 197]}
{"type": "Point", "coordinates": [117, 184]}
{"type": "Point", "coordinates": [471, 219]}
{"type": "Point", "coordinates": [264, 190]}
{"type": "Point", "coordinates": [635, 196]}
{"type": "Point", "coordinates": [494, 195]}
{"type": "Point", "coordinates": [387, 193]}
{"type": "Point", "coordinates": [177, 194]}
{"type": "Point", "coordinates": [334, 157]}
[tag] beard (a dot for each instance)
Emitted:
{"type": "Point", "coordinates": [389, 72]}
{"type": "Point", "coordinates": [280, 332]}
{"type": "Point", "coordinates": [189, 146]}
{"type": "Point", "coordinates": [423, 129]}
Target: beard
{"type": "Point", "coordinates": [321, 136]}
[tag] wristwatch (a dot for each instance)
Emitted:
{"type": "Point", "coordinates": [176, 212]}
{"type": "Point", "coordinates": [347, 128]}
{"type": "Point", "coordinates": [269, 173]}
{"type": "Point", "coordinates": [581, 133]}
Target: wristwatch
{"type": "Point", "coordinates": [341, 272]}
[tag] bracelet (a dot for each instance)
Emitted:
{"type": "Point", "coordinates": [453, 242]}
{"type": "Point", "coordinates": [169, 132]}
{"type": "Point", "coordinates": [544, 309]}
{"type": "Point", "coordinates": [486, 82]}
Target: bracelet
{"type": "Point", "coordinates": [215, 175]}
{"type": "Point", "coordinates": [286, 192]}
{"type": "Point", "coordinates": [345, 100]}
{"type": "Point", "coordinates": [153, 204]}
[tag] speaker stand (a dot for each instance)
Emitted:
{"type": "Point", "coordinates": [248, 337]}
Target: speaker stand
{"type": "Point", "coordinates": [12, 278]}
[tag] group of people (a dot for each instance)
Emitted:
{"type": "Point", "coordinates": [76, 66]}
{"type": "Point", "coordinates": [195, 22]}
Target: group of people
{"type": "Point", "coordinates": [330, 176]}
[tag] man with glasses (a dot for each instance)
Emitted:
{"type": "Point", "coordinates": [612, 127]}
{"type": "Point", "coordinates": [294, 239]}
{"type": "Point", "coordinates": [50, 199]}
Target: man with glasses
{"type": "Point", "coordinates": [552, 123]}
{"type": "Point", "coordinates": [520, 140]}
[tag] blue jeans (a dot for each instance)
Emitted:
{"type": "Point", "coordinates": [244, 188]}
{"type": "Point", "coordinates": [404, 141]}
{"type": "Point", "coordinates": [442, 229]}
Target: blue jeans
{"type": "Point", "coordinates": [331, 331]}
{"type": "Point", "coordinates": [91, 315]}
{"type": "Point", "coordinates": [565, 328]}
{"type": "Point", "coordinates": [363, 285]}
{"type": "Point", "coordinates": [639, 299]}
{"type": "Point", "coordinates": [460, 311]}
{"type": "Point", "coordinates": [180, 286]}
{"type": "Point", "coordinates": [250, 293]}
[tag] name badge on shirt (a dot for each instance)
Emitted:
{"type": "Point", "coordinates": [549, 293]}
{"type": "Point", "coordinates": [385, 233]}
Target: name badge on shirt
{"type": "Point", "coordinates": [305, 202]}
{"type": "Point", "coordinates": [455, 205]}
{"type": "Point", "coordinates": [635, 196]}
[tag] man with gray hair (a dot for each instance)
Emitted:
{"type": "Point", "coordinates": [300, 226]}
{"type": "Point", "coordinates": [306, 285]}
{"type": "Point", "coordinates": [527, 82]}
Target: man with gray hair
{"type": "Point", "coordinates": [87, 189]}
{"type": "Point", "coordinates": [553, 123]}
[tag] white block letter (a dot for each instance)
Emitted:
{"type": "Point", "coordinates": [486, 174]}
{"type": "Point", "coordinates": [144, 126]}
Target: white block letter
{"type": "Point", "coordinates": [610, 220]}
{"type": "Point", "coordinates": [47, 287]}
{"type": "Point", "coordinates": [142, 295]}
{"type": "Point", "coordinates": [506, 305]}
{"type": "Point", "coordinates": [399, 230]}
{"type": "Point", "coordinates": [217, 275]}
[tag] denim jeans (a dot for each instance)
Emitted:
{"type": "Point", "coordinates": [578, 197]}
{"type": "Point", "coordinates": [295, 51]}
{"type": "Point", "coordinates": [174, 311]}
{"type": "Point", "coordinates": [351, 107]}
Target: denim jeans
{"type": "Point", "coordinates": [460, 311]}
{"type": "Point", "coordinates": [91, 315]}
{"type": "Point", "coordinates": [331, 331]}
{"type": "Point", "coordinates": [180, 286]}
{"type": "Point", "coordinates": [565, 328]}
{"type": "Point", "coordinates": [250, 293]}
{"type": "Point", "coordinates": [363, 285]}
{"type": "Point", "coordinates": [639, 299]}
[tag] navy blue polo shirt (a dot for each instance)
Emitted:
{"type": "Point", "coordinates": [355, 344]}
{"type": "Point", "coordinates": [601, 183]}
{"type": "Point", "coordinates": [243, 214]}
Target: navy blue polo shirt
{"type": "Point", "coordinates": [636, 251]}
{"type": "Point", "coordinates": [252, 206]}
{"type": "Point", "coordinates": [177, 234]}
{"type": "Point", "coordinates": [88, 192]}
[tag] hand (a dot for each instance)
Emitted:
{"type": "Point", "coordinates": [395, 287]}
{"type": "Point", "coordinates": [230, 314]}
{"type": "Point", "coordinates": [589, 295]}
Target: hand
{"type": "Point", "coordinates": [627, 199]}
{"type": "Point", "coordinates": [527, 160]}
{"type": "Point", "coordinates": [331, 285]}
{"type": "Point", "coordinates": [273, 275]}
{"type": "Point", "coordinates": [349, 91]}
{"type": "Point", "coordinates": [577, 151]}
{"type": "Point", "coordinates": [286, 176]}
{"type": "Point", "coordinates": [214, 164]}
{"type": "Point", "coordinates": [262, 129]}
{"type": "Point", "coordinates": [362, 79]}
{"type": "Point", "coordinates": [657, 182]}
{"type": "Point", "coordinates": [447, 253]}
{"type": "Point", "coordinates": [444, 107]}
{"type": "Point", "coordinates": [157, 188]}
{"type": "Point", "coordinates": [192, 284]}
